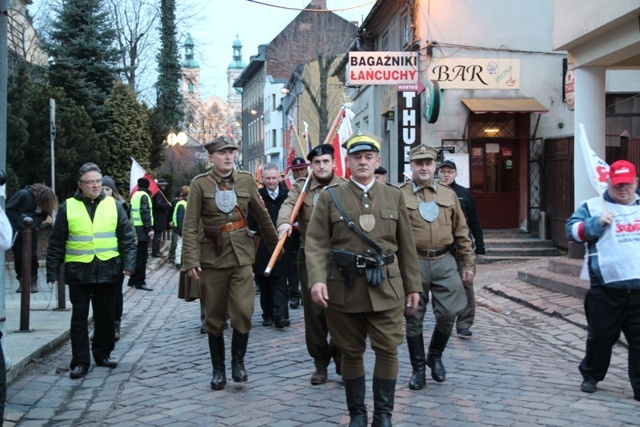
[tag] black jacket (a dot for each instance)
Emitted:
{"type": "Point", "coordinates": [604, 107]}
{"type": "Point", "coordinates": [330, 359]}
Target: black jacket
{"type": "Point", "coordinates": [281, 267]}
{"type": "Point", "coordinates": [161, 212]}
{"type": "Point", "coordinates": [471, 214]}
{"type": "Point", "coordinates": [97, 271]}
{"type": "Point", "coordinates": [22, 205]}
{"type": "Point", "coordinates": [181, 209]}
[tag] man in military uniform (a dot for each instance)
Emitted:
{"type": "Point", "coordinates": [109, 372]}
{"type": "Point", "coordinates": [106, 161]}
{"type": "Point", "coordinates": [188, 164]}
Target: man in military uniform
{"type": "Point", "coordinates": [438, 226]}
{"type": "Point", "coordinates": [365, 277]}
{"type": "Point", "coordinates": [217, 249]}
{"type": "Point", "coordinates": [315, 323]}
{"type": "Point", "coordinates": [300, 169]}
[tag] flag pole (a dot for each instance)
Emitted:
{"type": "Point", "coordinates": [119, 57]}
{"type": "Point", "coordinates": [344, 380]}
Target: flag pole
{"type": "Point", "coordinates": [295, 132]}
{"type": "Point", "coordinates": [292, 218]}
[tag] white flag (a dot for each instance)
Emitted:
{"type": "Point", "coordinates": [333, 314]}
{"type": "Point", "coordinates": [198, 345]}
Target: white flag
{"type": "Point", "coordinates": [597, 168]}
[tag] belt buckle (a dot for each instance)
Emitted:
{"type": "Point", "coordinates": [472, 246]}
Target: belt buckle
{"type": "Point", "coordinates": [431, 254]}
{"type": "Point", "coordinates": [360, 263]}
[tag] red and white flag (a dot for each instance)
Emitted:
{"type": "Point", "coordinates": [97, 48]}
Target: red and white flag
{"type": "Point", "coordinates": [344, 132]}
{"type": "Point", "coordinates": [137, 172]}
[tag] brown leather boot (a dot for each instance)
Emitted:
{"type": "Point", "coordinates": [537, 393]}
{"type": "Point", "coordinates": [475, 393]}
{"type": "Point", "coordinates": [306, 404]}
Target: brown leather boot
{"type": "Point", "coordinates": [320, 375]}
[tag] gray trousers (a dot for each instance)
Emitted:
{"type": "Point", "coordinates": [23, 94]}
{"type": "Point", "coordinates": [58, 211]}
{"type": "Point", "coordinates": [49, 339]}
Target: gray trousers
{"type": "Point", "coordinates": [440, 277]}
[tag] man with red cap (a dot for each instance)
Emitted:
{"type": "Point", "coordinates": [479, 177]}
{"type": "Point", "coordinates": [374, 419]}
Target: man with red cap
{"type": "Point", "coordinates": [609, 226]}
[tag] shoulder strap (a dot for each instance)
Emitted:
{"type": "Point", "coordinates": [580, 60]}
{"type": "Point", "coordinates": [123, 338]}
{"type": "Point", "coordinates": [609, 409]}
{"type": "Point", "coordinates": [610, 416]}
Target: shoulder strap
{"type": "Point", "coordinates": [351, 224]}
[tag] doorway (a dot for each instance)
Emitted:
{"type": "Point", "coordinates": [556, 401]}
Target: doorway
{"type": "Point", "coordinates": [495, 181]}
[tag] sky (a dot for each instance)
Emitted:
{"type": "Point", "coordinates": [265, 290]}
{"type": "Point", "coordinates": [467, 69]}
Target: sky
{"type": "Point", "coordinates": [214, 24]}
{"type": "Point", "coordinates": [254, 24]}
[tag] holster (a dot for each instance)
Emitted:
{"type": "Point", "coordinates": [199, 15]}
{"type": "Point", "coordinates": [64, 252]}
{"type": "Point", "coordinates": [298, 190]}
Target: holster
{"type": "Point", "coordinates": [216, 237]}
{"type": "Point", "coordinates": [346, 262]}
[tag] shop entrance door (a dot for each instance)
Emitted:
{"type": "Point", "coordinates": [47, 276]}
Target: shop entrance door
{"type": "Point", "coordinates": [494, 182]}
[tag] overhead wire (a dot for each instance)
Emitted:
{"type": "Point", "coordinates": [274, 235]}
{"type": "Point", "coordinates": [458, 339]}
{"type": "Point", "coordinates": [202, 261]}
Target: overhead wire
{"type": "Point", "coordinates": [311, 10]}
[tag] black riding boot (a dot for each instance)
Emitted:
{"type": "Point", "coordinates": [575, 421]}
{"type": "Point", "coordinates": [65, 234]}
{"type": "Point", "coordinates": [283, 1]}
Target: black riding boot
{"type": "Point", "coordinates": [434, 357]}
{"type": "Point", "coordinates": [238, 349]}
{"type": "Point", "coordinates": [355, 390]}
{"type": "Point", "coordinates": [216, 348]}
{"type": "Point", "coordinates": [384, 391]}
{"type": "Point", "coordinates": [416, 355]}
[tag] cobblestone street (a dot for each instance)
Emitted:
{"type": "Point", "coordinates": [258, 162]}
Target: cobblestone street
{"type": "Point", "coordinates": [519, 368]}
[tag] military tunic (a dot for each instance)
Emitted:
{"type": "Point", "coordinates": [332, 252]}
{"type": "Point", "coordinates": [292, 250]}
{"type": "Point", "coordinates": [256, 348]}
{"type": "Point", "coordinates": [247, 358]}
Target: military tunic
{"type": "Point", "coordinates": [382, 305]}
{"type": "Point", "coordinates": [315, 322]}
{"type": "Point", "coordinates": [226, 280]}
{"type": "Point", "coordinates": [439, 273]}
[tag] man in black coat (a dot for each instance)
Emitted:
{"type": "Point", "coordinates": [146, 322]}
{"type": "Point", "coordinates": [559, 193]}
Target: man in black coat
{"type": "Point", "coordinates": [92, 236]}
{"type": "Point", "coordinates": [274, 293]}
{"type": "Point", "coordinates": [36, 201]}
{"type": "Point", "coordinates": [161, 216]}
{"type": "Point", "coordinates": [448, 173]}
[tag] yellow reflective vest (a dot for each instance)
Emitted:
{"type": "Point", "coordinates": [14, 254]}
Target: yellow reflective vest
{"type": "Point", "coordinates": [87, 239]}
{"type": "Point", "coordinates": [175, 211]}
{"type": "Point", "coordinates": [136, 218]}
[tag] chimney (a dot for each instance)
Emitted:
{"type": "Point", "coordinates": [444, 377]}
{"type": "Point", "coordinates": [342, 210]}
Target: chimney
{"type": "Point", "coordinates": [319, 4]}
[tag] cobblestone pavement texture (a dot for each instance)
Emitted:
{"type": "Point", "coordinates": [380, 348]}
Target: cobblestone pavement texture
{"type": "Point", "coordinates": [518, 369]}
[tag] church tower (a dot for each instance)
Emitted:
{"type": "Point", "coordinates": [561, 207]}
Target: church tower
{"type": "Point", "coordinates": [190, 85]}
{"type": "Point", "coordinates": [233, 72]}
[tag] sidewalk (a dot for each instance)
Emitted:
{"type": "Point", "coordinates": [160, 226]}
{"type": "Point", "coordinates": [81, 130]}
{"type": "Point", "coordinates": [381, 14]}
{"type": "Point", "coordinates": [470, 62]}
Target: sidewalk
{"type": "Point", "coordinates": [48, 326]}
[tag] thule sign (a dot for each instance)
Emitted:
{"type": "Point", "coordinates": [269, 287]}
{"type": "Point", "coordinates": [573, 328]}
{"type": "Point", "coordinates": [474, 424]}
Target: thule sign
{"type": "Point", "coordinates": [382, 68]}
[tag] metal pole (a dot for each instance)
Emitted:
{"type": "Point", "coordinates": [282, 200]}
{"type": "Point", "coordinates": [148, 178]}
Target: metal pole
{"type": "Point", "coordinates": [52, 127]}
{"type": "Point", "coordinates": [4, 6]}
{"type": "Point", "coordinates": [25, 273]}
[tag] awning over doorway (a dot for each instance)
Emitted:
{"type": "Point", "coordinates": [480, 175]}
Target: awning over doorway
{"type": "Point", "coordinates": [519, 105]}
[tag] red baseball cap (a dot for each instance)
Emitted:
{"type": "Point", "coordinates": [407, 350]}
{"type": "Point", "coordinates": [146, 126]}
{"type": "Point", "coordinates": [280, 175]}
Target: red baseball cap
{"type": "Point", "coordinates": [622, 172]}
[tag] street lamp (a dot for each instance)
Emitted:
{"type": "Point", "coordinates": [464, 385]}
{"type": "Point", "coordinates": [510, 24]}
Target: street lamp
{"type": "Point", "coordinates": [172, 140]}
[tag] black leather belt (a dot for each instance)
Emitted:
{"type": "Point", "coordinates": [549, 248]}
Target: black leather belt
{"type": "Point", "coordinates": [435, 253]}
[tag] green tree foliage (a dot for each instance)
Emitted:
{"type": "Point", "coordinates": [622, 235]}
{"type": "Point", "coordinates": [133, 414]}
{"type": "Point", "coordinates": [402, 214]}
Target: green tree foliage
{"type": "Point", "coordinates": [84, 59]}
{"type": "Point", "coordinates": [169, 98]}
{"type": "Point", "coordinates": [17, 128]}
{"type": "Point", "coordinates": [29, 141]}
{"type": "Point", "coordinates": [128, 135]}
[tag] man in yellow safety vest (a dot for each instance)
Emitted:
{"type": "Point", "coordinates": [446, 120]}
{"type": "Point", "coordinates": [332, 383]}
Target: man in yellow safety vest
{"type": "Point", "coordinates": [92, 236]}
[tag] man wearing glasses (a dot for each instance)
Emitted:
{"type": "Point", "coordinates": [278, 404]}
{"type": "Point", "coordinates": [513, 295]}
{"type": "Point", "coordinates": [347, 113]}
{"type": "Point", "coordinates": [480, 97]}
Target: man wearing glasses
{"type": "Point", "coordinates": [93, 237]}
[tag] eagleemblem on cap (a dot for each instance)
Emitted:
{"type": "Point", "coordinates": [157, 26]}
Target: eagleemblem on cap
{"type": "Point", "coordinates": [423, 149]}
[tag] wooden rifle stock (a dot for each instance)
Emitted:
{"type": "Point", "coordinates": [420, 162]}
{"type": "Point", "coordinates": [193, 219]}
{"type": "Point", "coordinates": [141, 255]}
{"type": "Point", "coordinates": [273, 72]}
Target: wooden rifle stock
{"type": "Point", "coordinates": [294, 213]}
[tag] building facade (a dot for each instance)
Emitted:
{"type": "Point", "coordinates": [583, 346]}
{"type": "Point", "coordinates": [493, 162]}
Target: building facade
{"type": "Point", "coordinates": [489, 92]}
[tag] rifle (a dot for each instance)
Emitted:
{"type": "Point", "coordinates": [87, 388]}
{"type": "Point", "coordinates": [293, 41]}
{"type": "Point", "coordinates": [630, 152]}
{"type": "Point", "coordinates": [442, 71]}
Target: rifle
{"type": "Point", "coordinates": [292, 218]}
{"type": "Point", "coordinates": [303, 193]}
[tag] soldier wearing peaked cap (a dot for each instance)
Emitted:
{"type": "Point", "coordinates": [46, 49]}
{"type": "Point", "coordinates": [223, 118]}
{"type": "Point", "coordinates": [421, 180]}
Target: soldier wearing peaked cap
{"type": "Point", "coordinates": [218, 250]}
{"type": "Point", "coordinates": [438, 225]}
{"type": "Point", "coordinates": [365, 277]}
{"type": "Point", "coordinates": [299, 168]}
{"type": "Point", "coordinates": [315, 324]}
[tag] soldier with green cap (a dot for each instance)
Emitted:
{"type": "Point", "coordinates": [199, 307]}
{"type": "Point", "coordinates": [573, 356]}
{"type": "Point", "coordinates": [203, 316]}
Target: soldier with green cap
{"type": "Point", "coordinates": [218, 250]}
{"type": "Point", "coordinates": [363, 270]}
{"type": "Point", "coordinates": [438, 226]}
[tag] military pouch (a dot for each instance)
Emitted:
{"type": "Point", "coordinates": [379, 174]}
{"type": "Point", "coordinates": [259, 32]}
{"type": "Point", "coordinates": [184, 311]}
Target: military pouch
{"type": "Point", "coordinates": [216, 237]}
{"type": "Point", "coordinates": [346, 262]}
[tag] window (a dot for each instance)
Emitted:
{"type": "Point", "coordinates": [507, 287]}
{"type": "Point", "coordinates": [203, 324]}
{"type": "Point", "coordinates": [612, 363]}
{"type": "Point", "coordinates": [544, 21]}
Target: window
{"type": "Point", "coordinates": [405, 28]}
{"type": "Point", "coordinates": [190, 88]}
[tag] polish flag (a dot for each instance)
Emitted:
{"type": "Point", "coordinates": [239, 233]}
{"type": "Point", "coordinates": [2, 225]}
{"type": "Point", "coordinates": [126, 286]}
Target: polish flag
{"type": "Point", "coordinates": [137, 172]}
{"type": "Point", "coordinates": [344, 132]}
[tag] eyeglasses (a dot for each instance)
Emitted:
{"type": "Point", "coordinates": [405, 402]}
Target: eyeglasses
{"type": "Point", "coordinates": [90, 183]}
